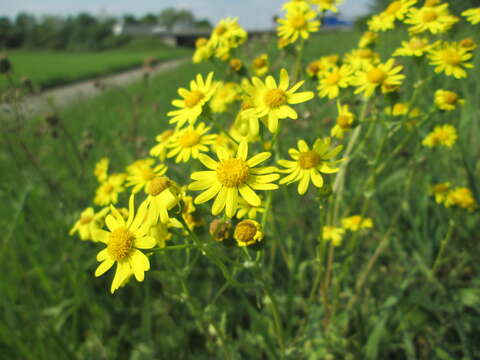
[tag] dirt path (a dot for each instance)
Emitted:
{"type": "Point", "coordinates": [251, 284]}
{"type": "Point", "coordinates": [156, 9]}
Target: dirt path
{"type": "Point", "coordinates": [78, 92]}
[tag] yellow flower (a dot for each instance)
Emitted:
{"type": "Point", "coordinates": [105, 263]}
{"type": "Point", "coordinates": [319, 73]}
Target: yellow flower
{"type": "Point", "coordinates": [440, 191]}
{"type": "Point", "coordinates": [368, 38]}
{"type": "Point", "coordinates": [314, 68]}
{"type": "Point", "coordinates": [226, 94]}
{"type": "Point", "coordinates": [472, 15]}
{"type": "Point", "coordinates": [333, 80]}
{"type": "Point", "coordinates": [385, 76]}
{"type": "Point", "coordinates": [325, 5]}
{"type": "Point", "coordinates": [381, 22]}
{"type": "Point", "coordinates": [247, 210]}
{"type": "Point", "coordinates": [451, 59]}
{"type": "Point", "coordinates": [468, 44]}
{"type": "Point", "coordinates": [203, 50]}
{"type": "Point", "coordinates": [333, 234]}
{"type": "Point", "coordinates": [461, 197]}
{"type": "Point", "coordinates": [398, 109]}
{"type": "Point", "coordinates": [309, 164]}
{"type": "Point", "coordinates": [222, 140]}
{"type": "Point", "coordinates": [358, 59]}
{"type": "Point", "coordinates": [123, 240]}
{"type": "Point", "coordinates": [220, 230]}
{"type": "Point", "coordinates": [298, 23]}
{"type": "Point", "coordinates": [190, 142]}
{"type": "Point", "coordinates": [248, 232]}
{"type": "Point", "coordinates": [356, 222]}
{"type": "Point", "coordinates": [414, 47]}
{"type": "Point", "coordinates": [161, 232]}
{"type": "Point", "coordinates": [141, 173]}
{"type": "Point", "coordinates": [235, 64]}
{"type": "Point", "coordinates": [398, 9]}
{"type": "Point", "coordinates": [189, 213]}
{"type": "Point", "coordinates": [435, 19]}
{"type": "Point", "coordinates": [447, 100]}
{"type": "Point", "coordinates": [160, 150]}
{"type": "Point", "coordinates": [442, 135]}
{"type": "Point", "coordinates": [227, 35]}
{"type": "Point", "coordinates": [260, 65]}
{"type": "Point", "coordinates": [272, 100]}
{"type": "Point", "coordinates": [344, 121]}
{"type": "Point", "coordinates": [101, 169]}
{"type": "Point", "coordinates": [162, 196]}
{"type": "Point", "coordinates": [107, 192]}
{"type": "Point", "coordinates": [191, 105]}
{"type": "Point", "coordinates": [88, 223]}
{"type": "Point", "coordinates": [230, 176]}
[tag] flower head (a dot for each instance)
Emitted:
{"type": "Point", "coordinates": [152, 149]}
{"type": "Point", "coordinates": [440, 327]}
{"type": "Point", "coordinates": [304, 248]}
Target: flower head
{"type": "Point", "coordinates": [298, 22]}
{"type": "Point", "coordinates": [344, 121]}
{"type": "Point", "coordinates": [414, 47]}
{"type": "Point", "coordinates": [333, 234]}
{"type": "Point", "coordinates": [440, 191]}
{"type": "Point", "coordinates": [247, 232]}
{"type": "Point", "coordinates": [435, 19]}
{"type": "Point", "coordinates": [332, 81]}
{"type": "Point", "coordinates": [190, 142]}
{"type": "Point", "coordinates": [356, 222]}
{"type": "Point", "coordinates": [101, 169]}
{"type": "Point", "coordinates": [107, 192]}
{"type": "Point", "coordinates": [260, 65]}
{"type": "Point", "coordinates": [88, 222]}
{"type": "Point", "coordinates": [451, 59]}
{"type": "Point", "coordinates": [442, 135]}
{"type": "Point", "coordinates": [384, 76]}
{"type": "Point", "coordinates": [472, 15]}
{"type": "Point", "coordinates": [461, 197]}
{"type": "Point", "coordinates": [160, 149]}
{"type": "Point", "coordinates": [447, 100]}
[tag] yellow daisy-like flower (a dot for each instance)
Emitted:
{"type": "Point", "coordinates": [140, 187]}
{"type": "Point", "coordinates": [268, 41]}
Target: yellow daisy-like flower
{"type": "Point", "coordinates": [162, 196]}
{"type": "Point", "coordinates": [331, 81]}
{"type": "Point", "coordinates": [333, 234]}
{"type": "Point", "coordinates": [161, 232]}
{"type": "Point", "coordinates": [356, 222]}
{"type": "Point", "coordinates": [228, 34]}
{"type": "Point", "coordinates": [107, 192]}
{"type": "Point", "coordinates": [358, 59]}
{"type": "Point", "coordinates": [316, 67]}
{"type": "Point", "coordinates": [247, 210]}
{"type": "Point", "coordinates": [468, 44]}
{"type": "Point", "coordinates": [414, 47]}
{"type": "Point", "coordinates": [272, 100]}
{"type": "Point", "coordinates": [298, 23]}
{"type": "Point", "coordinates": [435, 19]}
{"type": "Point", "coordinates": [472, 15]}
{"type": "Point", "coordinates": [451, 59]}
{"type": "Point", "coordinates": [101, 169]}
{"type": "Point", "coordinates": [368, 38]}
{"type": "Point", "coordinates": [230, 176]}
{"type": "Point", "coordinates": [203, 50]}
{"type": "Point", "coordinates": [327, 5]}
{"type": "Point", "coordinates": [123, 240]}
{"type": "Point", "coordinates": [381, 22]}
{"type": "Point", "coordinates": [142, 173]}
{"type": "Point", "coordinates": [461, 197]}
{"type": "Point", "coordinates": [308, 164]}
{"type": "Point", "coordinates": [225, 95]}
{"type": "Point", "coordinates": [160, 150]}
{"type": "Point", "coordinates": [193, 100]}
{"type": "Point", "coordinates": [344, 121]}
{"type": "Point", "coordinates": [247, 232]}
{"type": "Point", "coordinates": [385, 76]}
{"type": "Point", "coordinates": [447, 100]}
{"type": "Point", "coordinates": [440, 191]}
{"type": "Point", "coordinates": [399, 8]}
{"type": "Point", "coordinates": [190, 142]}
{"type": "Point", "coordinates": [235, 64]}
{"type": "Point", "coordinates": [398, 109]}
{"type": "Point", "coordinates": [88, 223]}
{"type": "Point", "coordinates": [442, 135]}
{"type": "Point", "coordinates": [260, 65]}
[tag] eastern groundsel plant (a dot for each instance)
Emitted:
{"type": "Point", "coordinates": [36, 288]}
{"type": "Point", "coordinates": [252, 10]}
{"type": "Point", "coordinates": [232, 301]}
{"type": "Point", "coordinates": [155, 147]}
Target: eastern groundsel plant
{"type": "Point", "coordinates": [227, 150]}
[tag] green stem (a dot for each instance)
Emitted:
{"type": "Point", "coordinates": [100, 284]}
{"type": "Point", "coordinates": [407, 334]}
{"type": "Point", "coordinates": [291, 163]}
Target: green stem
{"type": "Point", "coordinates": [443, 246]}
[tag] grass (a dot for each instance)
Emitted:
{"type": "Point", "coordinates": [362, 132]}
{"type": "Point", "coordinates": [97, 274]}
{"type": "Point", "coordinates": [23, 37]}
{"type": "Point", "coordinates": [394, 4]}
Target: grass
{"type": "Point", "coordinates": [48, 68]}
{"type": "Point", "coordinates": [53, 307]}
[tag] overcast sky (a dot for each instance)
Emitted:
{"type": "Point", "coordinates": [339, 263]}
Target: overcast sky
{"type": "Point", "coordinates": [252, 14]}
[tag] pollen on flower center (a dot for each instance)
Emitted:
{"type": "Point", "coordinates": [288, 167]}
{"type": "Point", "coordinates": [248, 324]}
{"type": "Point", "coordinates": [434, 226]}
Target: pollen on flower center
{"type": "Point", "coordinates": [467, 43]}
{"type": "Point", "coordinates": [308, 159]}
{"type": "Point", "coordinates": [232, 172]}
{"type": "Point", "coordinates": [376, 76]}
{"type": "Point", "coordinates": [297, 21]}
{"type": "Point", "coordinates": [157, 185]}
{"type": "Point", "coordinates": [259, 62]}
{"type": "Point", "coordinates": [416, 44]}
{"type": "Point", "coordinates": [393, 7]}
{"type": "Point", "coordinates": [450, 97]}
{"type": "Point", "coordinates": [189, 139]}
{"type": "Point", "coordinates": [220, 30]}
{"type": "Point", "coordinates": [275, 98]}
{"type": "Point", "coordinates": [429, 16]}
{"type": "Point", "coordinates": [120, 243]}
{"type": "Point", "coordinates": [332, 79]}
{"type": "Point", "coordinates": [451, 58]}
{"type": "Point", "coordinates": [343, 121]}
{"type": "Point", "coordinates": [85, 220]}
{"type": "Point", "coordinates": [193, 98]}
{"type": "Point", "coordinates": [245, 231]}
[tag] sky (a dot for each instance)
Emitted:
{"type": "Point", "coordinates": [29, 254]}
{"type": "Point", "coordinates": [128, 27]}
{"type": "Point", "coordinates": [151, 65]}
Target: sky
{"type": "Point", "coordinates": [252, 14]}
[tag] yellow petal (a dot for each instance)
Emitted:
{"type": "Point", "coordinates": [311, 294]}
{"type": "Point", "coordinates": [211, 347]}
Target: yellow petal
{"type": "Point", "coordinates": [103, 267]}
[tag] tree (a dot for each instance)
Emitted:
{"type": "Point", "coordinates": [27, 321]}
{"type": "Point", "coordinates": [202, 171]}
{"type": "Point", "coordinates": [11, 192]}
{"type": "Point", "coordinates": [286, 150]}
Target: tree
{"type": "Point", "coordinates": [172, 17]}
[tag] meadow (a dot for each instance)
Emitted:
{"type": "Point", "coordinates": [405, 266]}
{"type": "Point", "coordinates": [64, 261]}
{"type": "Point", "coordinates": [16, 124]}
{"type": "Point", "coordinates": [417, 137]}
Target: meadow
{"type": "Point", "coordinates": [408, 288]}
{"type": "Point", "coordinates": [47, 69]}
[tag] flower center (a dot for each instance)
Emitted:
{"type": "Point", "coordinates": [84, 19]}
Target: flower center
{"type": "Point", "coordinates": [236, 64]}
{"type": "Point", "coordinates": [220, 30]}
{"type": "Point", "coordinates": [333, 79]}
{"type": "Point", "coordinates": [245, 231]}
{"type": "Point", "coordinates": [120, 243]}
{"type": "Point", "coordinates": [343, 121]}
{"type": "Point", "coordinates": [201, 42]}
{"type": "Point", "coordinates": [429, 16]}
{"type": "Point", "coordinates": [84, 220]}
{"type": "Point", "coordinates": [297, 21]}
{"type": "Point", "coordinates": [232, 172]}
{"type": "Point", "coordinates": [275, 98]}
{"type": "Point", "coordinates": [157, 185]}
{"type": "Point", "coordinates": [308, 159]}
{"type": "Point", "coordinates": [393, 7]}
{"type": "Point", "coordinates": [451, 57]}
{"type": "Point", "coordinates": [259, 62]}
{"type": "Point", "coordinates": [466, 43]}
{"type": "Point", "coordinates": [108, 188]}
{"type": "Point", "coordinates": [416, 44]}
{"type": "Point", "coordinates": [189, 139]}
{"type": "Point", "coordinates": [376, 76]}
{"type": "Point", "coordinates": [193, 98]}
{"type": "Point", "coordinates": [450, 97]}
{"type": "Point", "coordinates": [314, 68]}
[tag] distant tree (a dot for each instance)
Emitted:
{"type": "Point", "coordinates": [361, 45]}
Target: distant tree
{"type": "Point", "coordinates": [171, 17]}
{"type": "Point", "coordinates": [129, 20]}
{"type": "Point", "coordinates": [149, 19]}
{"type": "Point", "coordinates": [5, 31]}
{"type": "Point", "coordinates": [203, 24]}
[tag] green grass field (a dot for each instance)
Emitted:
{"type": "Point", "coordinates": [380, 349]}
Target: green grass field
{"type": "Point", "coordinates": [53, 307]}
{"type": "Point", "coordinates": [47, 69]}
